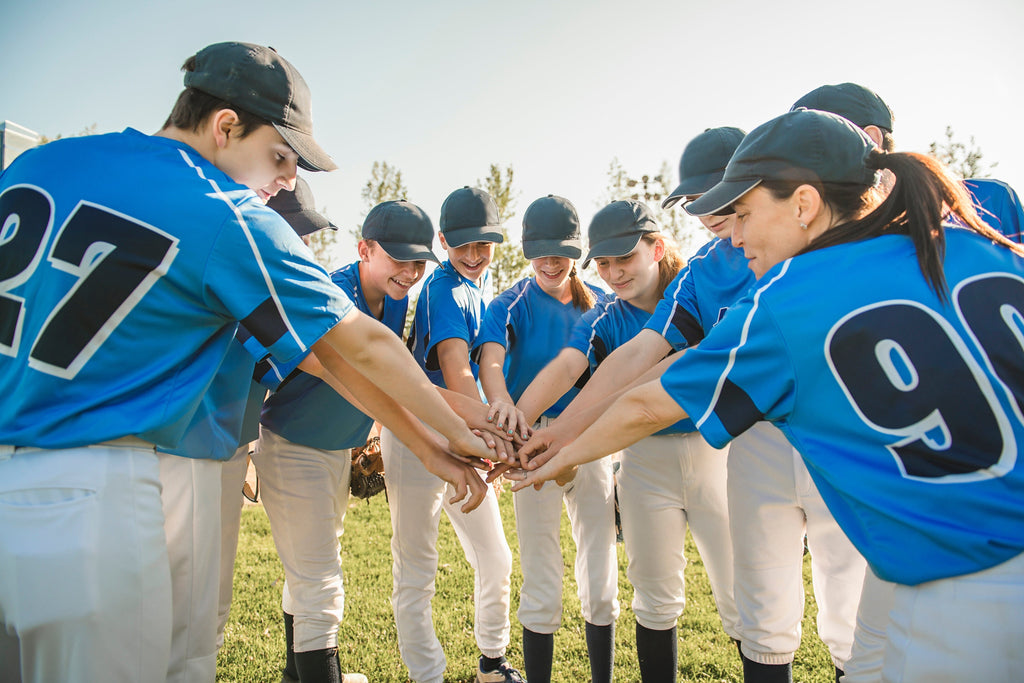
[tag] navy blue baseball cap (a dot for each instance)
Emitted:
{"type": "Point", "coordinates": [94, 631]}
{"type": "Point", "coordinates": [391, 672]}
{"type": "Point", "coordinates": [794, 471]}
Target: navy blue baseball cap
{"type": "Point", "coordinates": [616, 229]}
{"type": "Point", "coordinates": [402, 229]}
{"type": "Point", "coordinates": [551, 227]}
{"type": "Point", "coordinates": [801, 145]}
{"type": "Point", "coordinates": [851, 101]}
{"type": "Point", "coordinates": [469, 214]}
{"type": "Point", "coordinates": [299, 209]}
{"type": "Point", "coordinates": [703, 162]}
{"type": "Point", "coordinates": [263, 83]}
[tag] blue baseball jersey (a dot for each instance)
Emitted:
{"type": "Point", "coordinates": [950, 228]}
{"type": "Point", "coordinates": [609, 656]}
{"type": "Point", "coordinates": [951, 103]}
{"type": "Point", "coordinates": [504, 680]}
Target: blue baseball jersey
{"type": "Point", "coordinates": [604, 328]}
{"type": "Point", "coordinates": [713, 279]}
{"type": "Point", "coordinates": [533, 327]}
{"type": "Point", "coordinates": [228, 414]}
{"type": "Point", "coordinates": [908, 410]}
{"type": "Point", "coordinates": [128, 260]}
{"type": "Point", "coordinates": [306, 410]}
{"type": "Point", "coordinates": [450, 306]}
{"type": "Point", "coordinates": [999, 206]}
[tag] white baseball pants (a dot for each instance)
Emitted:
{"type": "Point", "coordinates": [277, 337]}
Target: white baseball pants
{"type": "Point", "coordinates": [772, 504]}
{"type": "Point", "coordinates": [232, 477]}
{"type": "Point", "coordinates": [590, 504]}
{"type": "Point", "coordinates": [305, 493]}
{"type": "Point", "coordinates": [191, 503]}
{"type": "Point", "coordinates": [416, 498]}
{"type": "Point", "coordinates": [667, 483]}
{"type": "Point", "coordinates": [85, 589]}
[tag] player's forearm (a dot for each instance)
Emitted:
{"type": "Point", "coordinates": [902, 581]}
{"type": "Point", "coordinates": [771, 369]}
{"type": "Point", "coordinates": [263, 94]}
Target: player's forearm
{"type": "Point", "coordinates": [453, 358]}
{"type": "Point", "coordinates": [379, 355]}
{"type": "Point", "coordinates": [638, 413]}
{"type": "Point", "coordinates": [551, 383]}
{"type": "Point", "coordinates": [621, 368]}
{"type": "Point", "coordinates": [492, 378]}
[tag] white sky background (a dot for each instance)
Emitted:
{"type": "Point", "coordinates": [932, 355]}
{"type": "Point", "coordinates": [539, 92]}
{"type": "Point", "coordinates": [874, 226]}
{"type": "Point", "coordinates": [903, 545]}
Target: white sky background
{"type": "Point", "coordinates": [556, 89]}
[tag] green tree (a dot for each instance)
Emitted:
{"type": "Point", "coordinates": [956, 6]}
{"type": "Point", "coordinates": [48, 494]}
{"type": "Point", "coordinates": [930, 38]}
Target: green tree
{"type": "Point", "coordinates": [509, 265]}
{"type": "Point", "coordinates": [324, 245]}
{"type": "Point", "coordinates": [687, 231]}
{"type": "Point", "coordinates": [963, 158]}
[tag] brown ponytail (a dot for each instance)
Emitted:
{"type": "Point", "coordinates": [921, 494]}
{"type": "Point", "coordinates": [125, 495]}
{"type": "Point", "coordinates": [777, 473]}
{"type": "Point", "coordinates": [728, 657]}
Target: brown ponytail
{"type": "Point", "coordinates": [671, 263]}
{"type": "Point", "coordinates": [582, 296]}
{"type": "Point", "coordinates": [924, 194]}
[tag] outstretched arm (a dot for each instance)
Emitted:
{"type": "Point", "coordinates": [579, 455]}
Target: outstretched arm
{"type": "Point", "coordinates": [640, 412]}
{"type": "Point", "coordinates": [375, 352]}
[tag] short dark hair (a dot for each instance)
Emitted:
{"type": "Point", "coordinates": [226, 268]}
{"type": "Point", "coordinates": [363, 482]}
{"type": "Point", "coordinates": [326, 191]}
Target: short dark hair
{"type": "Point", "coordinates": [193, 107]}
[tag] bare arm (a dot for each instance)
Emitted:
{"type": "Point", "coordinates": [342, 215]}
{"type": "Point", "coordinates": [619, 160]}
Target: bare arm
{"type": "Point", "coordinates": [453, 359]}
{"type": "Point", "coordinates": [552, 382]}
{"type": "Point", "coordinates": [503, 410]}
{"type": "Point", "coordinates": [375, 352]}
{"type": "Point", "coordinates": [640, 412]}
{"type": "Point", "coordinates": [408, 429]}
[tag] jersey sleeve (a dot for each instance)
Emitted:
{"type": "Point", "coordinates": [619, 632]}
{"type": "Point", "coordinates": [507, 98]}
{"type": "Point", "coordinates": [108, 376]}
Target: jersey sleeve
{"type": "Point", "coordinates": [676, 318]}
{"type": "Point", "coordinates": [447, 307]}
{"type": "Point", "coordinates": [260, 273]}
{"type": "Point", "coordinates": [496, 326]}
{"type": "Point", "coordinates": [738, 375]}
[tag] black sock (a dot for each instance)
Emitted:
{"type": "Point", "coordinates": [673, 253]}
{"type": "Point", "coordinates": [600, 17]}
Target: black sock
{"type": "Point", "coordinates": [318, 666]}
{"type": "Point", "coordinates": [839, 674]}
{"type": "Point", "coordinates": [754, 672]}
{"type": "Point", "coordinates": [601, 649]}
{"type": "Point", "coordinates": [289, 647]}
{"type": "Point", "coordinates": [490, 663]}
{"type": "Point", "coordinates": [538, 651]}
{"type": "Point", "coordinates": [657, 652]}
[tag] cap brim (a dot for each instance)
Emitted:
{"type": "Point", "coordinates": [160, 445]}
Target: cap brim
{"type": "Point", "coordinates": [721, 196]}
{"type": "Point", "coordinates": [312, 157]}
{"type": "Point", "coordinates": [541, 248]}
{"type": "Point", "coordinates": [695, 185]}
{"type": "Point", "coordinates": [487, 233]}
{"type": "Point", "coordinates": [403, 251]}
{"type": "Point", "coordinates": [616, 246]}
{"type": "Point", "coordinates": [307, 222]}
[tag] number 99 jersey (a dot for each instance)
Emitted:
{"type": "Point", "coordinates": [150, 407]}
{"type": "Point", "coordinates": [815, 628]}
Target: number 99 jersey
{"type": "Point", "coordinates": [908, 410]}
{"type": "Point", "coordinates": [125, 262]}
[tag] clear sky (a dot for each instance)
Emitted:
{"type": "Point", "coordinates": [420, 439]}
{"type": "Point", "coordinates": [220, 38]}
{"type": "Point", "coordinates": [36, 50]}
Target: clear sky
{"type": "Point", "coordinates": [556, 89]}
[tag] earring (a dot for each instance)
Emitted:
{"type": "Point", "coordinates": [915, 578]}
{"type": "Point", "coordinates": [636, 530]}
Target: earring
{"type": "Point", "coordinates": [803, 226]}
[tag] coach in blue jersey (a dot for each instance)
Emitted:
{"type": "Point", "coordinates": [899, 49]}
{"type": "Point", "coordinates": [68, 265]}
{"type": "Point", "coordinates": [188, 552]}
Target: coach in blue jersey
{"type": "Point", "coordinates": [896, 380]}
{"type": "Point", "coordinates": [128, 238]}
{"type": "Point", "coordinates": [303, 455]}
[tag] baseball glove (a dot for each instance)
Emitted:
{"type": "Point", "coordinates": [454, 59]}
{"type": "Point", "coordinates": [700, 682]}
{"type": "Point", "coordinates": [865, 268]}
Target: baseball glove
{"type": "Point", "coordinates": [367, 469]}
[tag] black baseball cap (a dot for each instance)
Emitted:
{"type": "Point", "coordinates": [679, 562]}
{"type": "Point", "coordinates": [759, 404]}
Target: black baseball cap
{"type": "Point", "coordinates": [402, 229]}
{"type": "Point", "coordinates": [616, 229]}
{"type": "Point", "coordinates": [551, 227]}
{"type": "Point", "coordinates": [299, 209]}
{"type": "Point", "coordinates": [851, 101]}
{"type": "Point", "coordinates": [801, 145]}
{"type": "Point", "coordinates": [260, 81]}
{"type": "Point", "coordinates": [469, 215]}
{"type": "Point", "coordinates": [703, 162]}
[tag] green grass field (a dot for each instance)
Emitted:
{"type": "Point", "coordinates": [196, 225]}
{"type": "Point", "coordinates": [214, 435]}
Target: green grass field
{"type": "Point", "coordinates": [254, 639]}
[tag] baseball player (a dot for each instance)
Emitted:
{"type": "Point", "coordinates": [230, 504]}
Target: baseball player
{"type": "Point", "coordinates": [303, 455]}
{"type": "Point", "coordinates": [101, 260]}
{"type": "Point", "coordinates": [668, 481]}
{"type": "Point", "coordinates": [997, 205]}
{"type": "Point", "coordinates": [899, 390]}
{"type": "Point", "coordinates": [772, 500]}
{"type": "Point", "coordinates": [524, 328]}
{"type": "Point", "coordinates": [448, 316]}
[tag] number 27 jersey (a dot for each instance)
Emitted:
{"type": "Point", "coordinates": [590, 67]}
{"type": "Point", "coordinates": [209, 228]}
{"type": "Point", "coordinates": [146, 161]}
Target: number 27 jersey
{"type": "Point", "coordinates": [908, 411]}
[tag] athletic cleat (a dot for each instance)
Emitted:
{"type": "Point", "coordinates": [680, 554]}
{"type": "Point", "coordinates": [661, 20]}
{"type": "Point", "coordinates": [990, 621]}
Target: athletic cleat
{"type": "Point", "coordinates": [503, 674]}
{"type": "Point", "coordinates": [353, 678]}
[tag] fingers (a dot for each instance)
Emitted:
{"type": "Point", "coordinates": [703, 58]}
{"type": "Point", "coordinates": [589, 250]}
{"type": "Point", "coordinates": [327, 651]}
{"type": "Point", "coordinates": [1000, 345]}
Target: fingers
{"type": "Point", "coordinates": [499, 470]}
{"type": "Point", "coordinates": [538, 459]}
{"type": "Point", "coordinates": [486, 436]}
{"type": "Point", "coordinates": [472, 485]}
